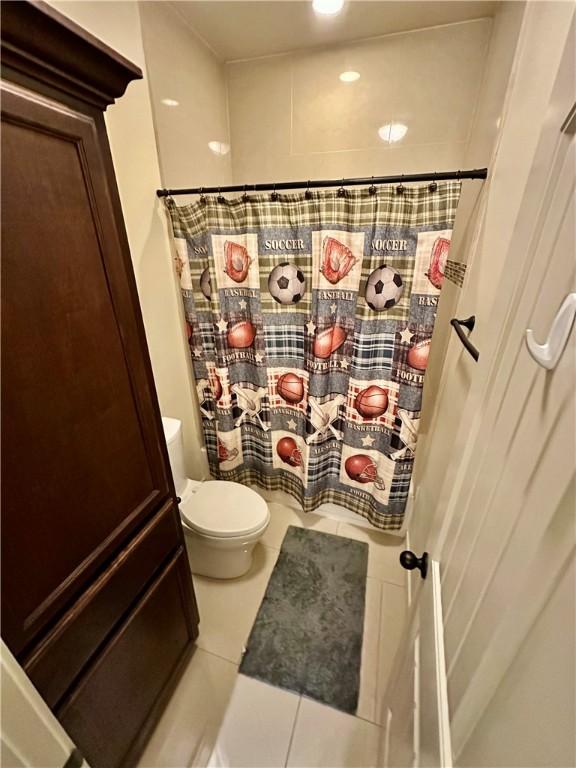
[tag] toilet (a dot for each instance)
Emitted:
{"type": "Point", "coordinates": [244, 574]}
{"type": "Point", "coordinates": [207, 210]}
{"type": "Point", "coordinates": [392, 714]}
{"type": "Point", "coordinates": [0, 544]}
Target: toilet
{"type": "Point", "coordinates": [222, 520]}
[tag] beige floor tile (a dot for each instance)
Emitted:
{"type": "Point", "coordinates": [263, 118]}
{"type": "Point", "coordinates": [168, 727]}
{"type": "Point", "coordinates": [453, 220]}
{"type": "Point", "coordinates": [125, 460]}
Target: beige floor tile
{"type": "Point", "coordinates": [282, 516]}
{"type": "Point", "coordinates": [384, 551]}
{"type": "Point", "coordinates": [393, 616]}
{"type": "Point", "coordinates": [228, 607]}
{"type": "Point", "coordinates": [187, 731]}
{"type": "Point", "coordinates": [257, 727]}
{"type": "Point", "coordinates": [324, 737]}
{"type": "Point", "coordinates": [370, 647]}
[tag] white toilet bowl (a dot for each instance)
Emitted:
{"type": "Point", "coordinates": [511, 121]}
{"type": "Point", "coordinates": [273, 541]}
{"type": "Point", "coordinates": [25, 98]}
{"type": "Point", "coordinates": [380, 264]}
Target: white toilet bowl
{"type": "Point", "coordinates": [222, 520]}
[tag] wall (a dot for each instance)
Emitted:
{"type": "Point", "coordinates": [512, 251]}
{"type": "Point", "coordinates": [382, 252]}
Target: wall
{"type": "Point", "coordinates": [133, 143]}
{"type": "Point", "coordinates": [182, 67]}
{"type": "Point", "coordinates": [292, 118]}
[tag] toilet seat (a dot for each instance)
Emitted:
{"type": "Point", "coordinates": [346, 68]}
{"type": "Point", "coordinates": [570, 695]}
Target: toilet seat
{"type": "Point", "coordinates": [223, 509]}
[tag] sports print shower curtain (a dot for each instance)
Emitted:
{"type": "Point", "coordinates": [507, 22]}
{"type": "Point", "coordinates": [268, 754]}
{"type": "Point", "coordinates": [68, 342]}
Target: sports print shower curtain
{"type": "Point", "coordinates": [309, 322]}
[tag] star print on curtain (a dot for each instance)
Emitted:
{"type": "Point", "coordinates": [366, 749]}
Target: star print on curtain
{"type": "Point", "coordinates": [309, 320]}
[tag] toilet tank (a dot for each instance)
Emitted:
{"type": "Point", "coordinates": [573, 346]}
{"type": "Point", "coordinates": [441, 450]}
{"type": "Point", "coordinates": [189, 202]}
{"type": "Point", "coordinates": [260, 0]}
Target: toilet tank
{"type": "Point", "coordinates": [173, 435]}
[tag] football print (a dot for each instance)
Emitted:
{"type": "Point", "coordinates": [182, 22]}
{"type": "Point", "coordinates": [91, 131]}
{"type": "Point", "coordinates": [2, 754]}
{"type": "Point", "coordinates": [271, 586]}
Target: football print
{"type": "Point", "coordinates": [290, 387]}
{"type": "Point", "coordinates": [371, 402]}
{"type": "Point", "coordinates": [337, 260]}
{"type": "Point", "coordinates": [237, 261]}
{"type": "Point", "coordinates": [241, 335]}
{"type": "Point", "coordinates": [287, 283]}
{"type": "Point", "coordinates": [205, 285]}
{"type": "Point", "coordinates": [418, 355]}
{"type": "Point", "coordinates": [384, 288]}
{"type": "Point", "coordinates": [328, 341]}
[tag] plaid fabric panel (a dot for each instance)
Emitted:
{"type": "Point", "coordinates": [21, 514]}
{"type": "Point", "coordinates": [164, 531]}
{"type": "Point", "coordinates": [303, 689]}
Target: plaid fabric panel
{"type": "Point", "coordinates": [309, 322]}
{"type": "Point", "coordinates": [282, 342]}
{"type": "Point", "coordinates": [373, 353]}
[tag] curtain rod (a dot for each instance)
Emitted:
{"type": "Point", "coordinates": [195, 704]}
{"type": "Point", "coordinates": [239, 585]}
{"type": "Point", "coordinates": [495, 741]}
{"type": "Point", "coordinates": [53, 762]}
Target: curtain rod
{"type": "Point", "coordinates": [477, 173]}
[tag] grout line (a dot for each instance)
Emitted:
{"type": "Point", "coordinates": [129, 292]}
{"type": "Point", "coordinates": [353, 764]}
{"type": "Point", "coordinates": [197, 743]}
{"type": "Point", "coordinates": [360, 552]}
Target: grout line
{"type": "Point", "coordinates": [219, 656]}
{"type": "Point", "coordinates": [377, 695]}
{"type": "Point", "coordinates": [332, 45]}
{"type": "Point", "coordinates": [293, 732]}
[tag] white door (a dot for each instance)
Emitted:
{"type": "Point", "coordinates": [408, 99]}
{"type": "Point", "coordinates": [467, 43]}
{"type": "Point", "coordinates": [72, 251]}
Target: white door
{"type": "Point", "coordinates": [485, 673]}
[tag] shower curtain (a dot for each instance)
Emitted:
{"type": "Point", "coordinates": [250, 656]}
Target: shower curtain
{"type": "Point", "coordinates": [309, 319]}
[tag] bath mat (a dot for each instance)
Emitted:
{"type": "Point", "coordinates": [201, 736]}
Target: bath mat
{"type": "Point", "coordinates": [307, 636]}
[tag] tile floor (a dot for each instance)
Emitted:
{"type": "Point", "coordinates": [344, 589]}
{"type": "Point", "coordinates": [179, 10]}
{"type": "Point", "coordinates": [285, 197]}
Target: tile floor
{"type": "Point", "coordinates": [221, 719]}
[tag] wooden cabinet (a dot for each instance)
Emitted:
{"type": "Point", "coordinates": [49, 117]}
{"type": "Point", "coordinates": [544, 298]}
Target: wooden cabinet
{"type": "Point", "coordinates": [92, 544]}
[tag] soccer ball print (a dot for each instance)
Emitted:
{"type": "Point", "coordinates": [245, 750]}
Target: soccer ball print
{"type": "Point", "coordinates": [384, 288]}
{"type": "Point", "coordinates": [287, 284]}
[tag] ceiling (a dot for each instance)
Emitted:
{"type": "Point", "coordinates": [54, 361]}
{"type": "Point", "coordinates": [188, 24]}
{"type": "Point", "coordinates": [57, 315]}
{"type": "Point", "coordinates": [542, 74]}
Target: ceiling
{"type": "Point", "coordinates": [243, 29]}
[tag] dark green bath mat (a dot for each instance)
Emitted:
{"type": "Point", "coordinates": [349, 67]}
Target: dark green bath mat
{"type": "Point", "coordinates": [307, 636]}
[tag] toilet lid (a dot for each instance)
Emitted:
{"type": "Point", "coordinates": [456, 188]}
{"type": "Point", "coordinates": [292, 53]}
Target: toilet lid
{"type": "Point", "coordinates": [224, 509]}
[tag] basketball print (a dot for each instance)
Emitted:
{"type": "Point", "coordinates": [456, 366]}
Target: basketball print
{"type": "Point", "coordinates": [286, 283]}
{"type": "Point", "coordinates": [241, 335]}
{"type": "Point", "coordinates": [237, 261]}
{"type": "Point", "coordinates": [418, 355]}
{"type": "Point", "coordinates": [289, 452]}
{"type": "Point", "coordinates": [384, 288]}
{"type": "Point", "coordinates": [205, 284]}
{"type": "Point", "coordinates": [371, 402]}
{"type": "Point", "coordinates": [290, 387]}
{"type": "Point", "coordinates": [328, 341]}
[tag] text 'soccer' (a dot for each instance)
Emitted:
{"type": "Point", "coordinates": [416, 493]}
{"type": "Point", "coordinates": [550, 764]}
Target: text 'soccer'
{"type": "Point", "coordinates": [309, 321]}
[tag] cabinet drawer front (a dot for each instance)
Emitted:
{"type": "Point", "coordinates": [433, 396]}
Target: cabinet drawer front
{"type": "Point", "coordinates": [108, 710]}
{"type": "Point", "coordinates": [60, 657]}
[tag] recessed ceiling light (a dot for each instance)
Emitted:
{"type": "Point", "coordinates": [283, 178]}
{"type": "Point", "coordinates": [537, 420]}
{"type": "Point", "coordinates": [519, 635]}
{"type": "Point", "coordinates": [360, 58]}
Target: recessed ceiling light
{"type": "Point", "coordinates": [170, 102]}
{"type": "Point", "coordinates": [219, 147]}
{"type": "Point", "coordinates": [350, 76]}
{"type": "Point", "coordinates": [392, 132]}
{"type": "Point", "coordinates": [327, 7]}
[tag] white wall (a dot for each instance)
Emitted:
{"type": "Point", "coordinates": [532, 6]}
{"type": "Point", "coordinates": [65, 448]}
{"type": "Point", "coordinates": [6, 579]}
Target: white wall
{"type": "Point", "coordinates": [133, 143]}
{"type": "Point", "coordinates": [292, 118]}
{"type": "Point", "coordinates": [183, 68]}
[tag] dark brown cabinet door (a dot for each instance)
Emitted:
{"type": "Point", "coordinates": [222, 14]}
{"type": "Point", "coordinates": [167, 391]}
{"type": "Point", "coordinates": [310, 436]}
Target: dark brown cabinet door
{"type": "Point", "coordinates": [82, 461]}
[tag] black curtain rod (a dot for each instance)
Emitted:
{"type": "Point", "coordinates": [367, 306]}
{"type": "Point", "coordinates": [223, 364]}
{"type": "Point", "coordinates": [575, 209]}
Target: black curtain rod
{"type": "Point", "coordinates": [477, 173]}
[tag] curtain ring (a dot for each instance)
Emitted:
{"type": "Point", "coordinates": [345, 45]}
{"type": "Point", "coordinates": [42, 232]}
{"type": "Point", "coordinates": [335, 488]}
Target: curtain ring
{"type": "Point", "coordinates": [342, 191]}
{"type": "Point", "coordinates": [432, 187]}
{"type": "Point", "coordinates": [400, 188]}
{"type": "Point", "coordinates": [274, 195]}
{"type": "Point", "coordinates": [245, 197]}
{"type": "Point", "coordinates": [202, 195]}
{"type": "Point", "coordinates": [220, 198]}
{"type": "Point", "coordinates": [308, 193]}
{"type": "Point", "coordinates": [372, 188]}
